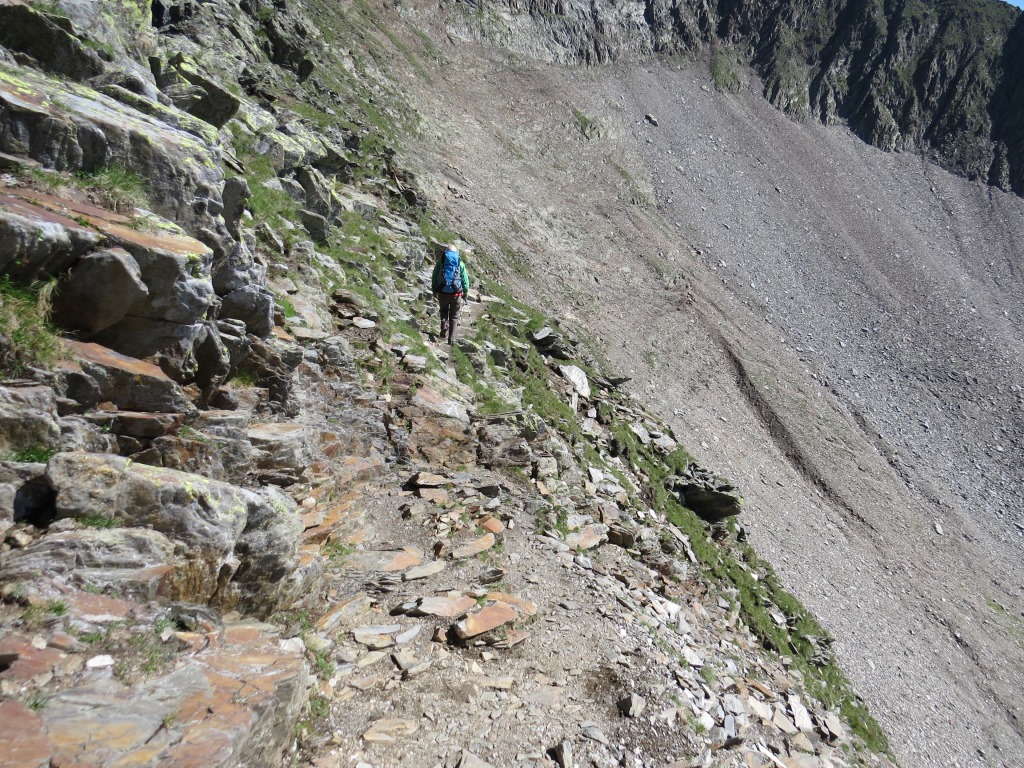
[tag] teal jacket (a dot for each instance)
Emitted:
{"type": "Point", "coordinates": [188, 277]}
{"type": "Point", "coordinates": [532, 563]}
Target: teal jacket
{"type": "Point", "coordinates": [436, 277]}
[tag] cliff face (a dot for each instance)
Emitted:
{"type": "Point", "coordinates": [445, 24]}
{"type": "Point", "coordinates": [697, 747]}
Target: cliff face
{"type": "Point", "coordinates": [936, 77]}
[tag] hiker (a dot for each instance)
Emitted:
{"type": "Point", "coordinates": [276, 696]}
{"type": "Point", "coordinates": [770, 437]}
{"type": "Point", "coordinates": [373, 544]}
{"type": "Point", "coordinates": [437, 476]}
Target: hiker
{"type": "Point", "coordinates": [450, 283]}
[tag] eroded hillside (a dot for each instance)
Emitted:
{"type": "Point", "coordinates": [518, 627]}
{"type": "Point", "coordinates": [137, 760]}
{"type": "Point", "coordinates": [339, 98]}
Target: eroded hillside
{"type": "Point", "coordinates": [797, 300]}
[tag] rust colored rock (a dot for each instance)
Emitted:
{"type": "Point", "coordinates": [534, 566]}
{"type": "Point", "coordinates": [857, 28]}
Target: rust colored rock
{"type": "Point", "coordinates": [428, 480]}
{"type": "Point", "coordinates": [131, 384]}
{"type": "Point", "coordinates": [444, 607]}
{"type": "Point", "coordinates": [23, 742]}
{"type": "Point", "coordinates": [491, 524]}
{"type": "Point", "coordinates": [588, 537]}
{"type": "Point", "coordinates": [474, 547]}
{"type": "Point", "coordinates": [525, 607]}
{"type": "Point", "coordinates": [491, 617]}
{"type": "Point", "coordinates": [390, 561]}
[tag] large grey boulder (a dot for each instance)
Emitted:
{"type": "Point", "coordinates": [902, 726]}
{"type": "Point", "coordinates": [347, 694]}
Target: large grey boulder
{"type": "Point", "coordinates": [70, 127]}
{"type": "Point", "coordinates": [159, 290]}
{"type": "Point", "coordinates": [284, 445]}
{"type": "Point", "coordinates": [215, 523]}
{"type": "Point", "coordinates": [253, 305]}
{"type": "Point", "coordinates": [235, 270]}
{"type": "Point", "coordinates": [35, 244]}
{"type": "Point", "coordinates": [713, 498]}
{"type": "Point", "coordinates": [47, 40]}
{"type": "Point", "coordinates": [195, 93]}
{"type": "Point", "coordinates": [225, 459]}
{"type": "Point", "coordinates": [138, 561]}
{"type": "Point", "coordinates": [129, 383]}
{"type": "Point", "coordinates": [319, 196]}
{"type": "Point", "coordinates": [236, 192]}
{"type": "Point", "coordinates": [28, 419]}
{"type": "Point", "coordinates": [267, 553]}
{"type": "Point", "coordinates": [99, 291]}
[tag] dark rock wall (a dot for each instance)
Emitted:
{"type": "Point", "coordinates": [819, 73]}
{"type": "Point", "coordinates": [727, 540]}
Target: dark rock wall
{"type": "Point", "coordinates": [943, 77]}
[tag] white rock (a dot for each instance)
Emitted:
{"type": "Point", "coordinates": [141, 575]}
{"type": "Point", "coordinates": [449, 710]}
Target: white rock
{"type": "Point", "coordinates": [100, 662]}
{"type": "Point", "coordinates": [578, 378]}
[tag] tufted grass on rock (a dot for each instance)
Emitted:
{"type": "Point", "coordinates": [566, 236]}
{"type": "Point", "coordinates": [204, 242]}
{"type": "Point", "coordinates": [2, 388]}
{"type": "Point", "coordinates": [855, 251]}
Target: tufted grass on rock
{"type": "Point", "coordinates": [116, 188]}
{"type": "Point", "coordinates": [27, 339]}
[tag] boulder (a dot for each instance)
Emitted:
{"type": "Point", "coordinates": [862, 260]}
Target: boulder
{"type": "Point", "coordinates": [51, 46]}
{"type": "Point", "coordinates": [252, 305]}
{"type": "Point", "coordinates": [195, 93]}
{"type": "Point", "coordinates": [429, 399]}
{"type": "Point", "coordinates": [225, 459]}
{"type": "Point", "coordinates": [77, 434]}
{"type": "Point", "coordinates": [713, 498]}
{"type": "Point", "coordinates": [142, 562]}
{"type": "Point", "coordinates": [129, 383]}
{"type": "Point", "coordinates": [442, 441]}
{"type": "Point", "coordinates": [28, 419]}
{"type": "Point", "coordinates": [164, 320]}
{"type": "Point", "coordinates": [273, 361]}
{"type": "Point", "coordinates": [37, 244]}
{"type": "Point", "coordinates": [578, 378]}
{"type": "Point", "coordinates": [70, 127]}
{"type": "Point", "coordinates": [236, 192]}
{"type": "Point", "coordinates": [503, 445]}
{"type": "Point", "coordinates": [99, 291]}
{"type": "Point", "coordinates": [221, 527]}
{"type": "Point", "coordinates": [316, 225]}
{"type": "Point", "coordinates": [318, 193]}
{"type": "Point", "coordinates": [267, 552]}
{"type": "Point", "coordinates": [284, 445]}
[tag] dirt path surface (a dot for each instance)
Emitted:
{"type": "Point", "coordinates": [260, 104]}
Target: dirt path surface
{"type": "Point", "coordinates": [833, 326]}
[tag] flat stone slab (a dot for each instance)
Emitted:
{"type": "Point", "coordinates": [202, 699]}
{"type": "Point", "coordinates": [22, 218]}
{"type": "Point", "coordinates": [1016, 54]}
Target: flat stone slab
{"type": "Point", "coordinates": [428, 480]}
{"type": "Point", "coordinates": [22, 739]}
{"type": "Point", "coordinates": [491, 617]}
{"type": "Point", "coordinates": [443, 607]}
{"type": "Point", "coordinates": [424, 571]}
{"type": "Point", "coordinates": [387, 561]}
{"type": "Point", "coordinates": [525, 607]}
{"type": "Point", "coordinates": [430, 399]}
{"type": "Point", "coordinates": [474, 547]}
{"type": "Point", "coordinates": [344, 612]}
{"type": "Point", "coordinates": [498, 683]}
{"type": "Point", "coordinates": [588, 537]}
{"type": "Point", "coordinates": [390, 730]}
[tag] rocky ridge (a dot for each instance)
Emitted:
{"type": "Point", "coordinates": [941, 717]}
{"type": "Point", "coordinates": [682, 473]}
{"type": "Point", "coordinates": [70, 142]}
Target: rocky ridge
{"type": "Point", "coordinates": [253, 475]}
{"type": "Point", "coordinates": [938, 78]}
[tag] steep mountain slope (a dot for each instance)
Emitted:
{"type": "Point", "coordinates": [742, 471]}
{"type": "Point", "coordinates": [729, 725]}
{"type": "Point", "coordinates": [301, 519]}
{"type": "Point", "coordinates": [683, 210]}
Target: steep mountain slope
{"type": "Point", "coordinates": [930, 75]}
{"type": "Point", "coordinates": [650, 238]}
{"type": "Point", "coordinates": [301, 531]}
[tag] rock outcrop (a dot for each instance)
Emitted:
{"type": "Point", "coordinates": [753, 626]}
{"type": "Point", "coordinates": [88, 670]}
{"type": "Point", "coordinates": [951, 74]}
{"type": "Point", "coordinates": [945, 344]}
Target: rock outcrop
{"type": "Point", "coordinates": [936, 78]}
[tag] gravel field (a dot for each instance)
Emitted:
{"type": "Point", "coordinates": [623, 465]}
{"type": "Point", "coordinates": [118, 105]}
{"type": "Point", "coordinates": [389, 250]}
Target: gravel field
{"type": "Point", "coordinates": [836, 328]}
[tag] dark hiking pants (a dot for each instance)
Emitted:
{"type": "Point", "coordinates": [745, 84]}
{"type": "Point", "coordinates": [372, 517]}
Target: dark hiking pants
{"type": "Point", "coordinates": [450, 305]}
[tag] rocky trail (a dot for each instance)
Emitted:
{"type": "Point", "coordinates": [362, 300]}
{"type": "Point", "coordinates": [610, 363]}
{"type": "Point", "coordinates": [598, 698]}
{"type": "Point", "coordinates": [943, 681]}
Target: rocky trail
{"type": "Point", "coordinates": [437, 584]}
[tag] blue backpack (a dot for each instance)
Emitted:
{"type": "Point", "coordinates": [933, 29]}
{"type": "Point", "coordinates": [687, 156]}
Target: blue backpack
{"type": "Point", "coordinates": [451, 273]}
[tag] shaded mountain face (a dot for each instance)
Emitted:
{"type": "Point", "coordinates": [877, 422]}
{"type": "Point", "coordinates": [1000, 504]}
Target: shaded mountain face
{"type": "Point", "coordinates": [939, 77]}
